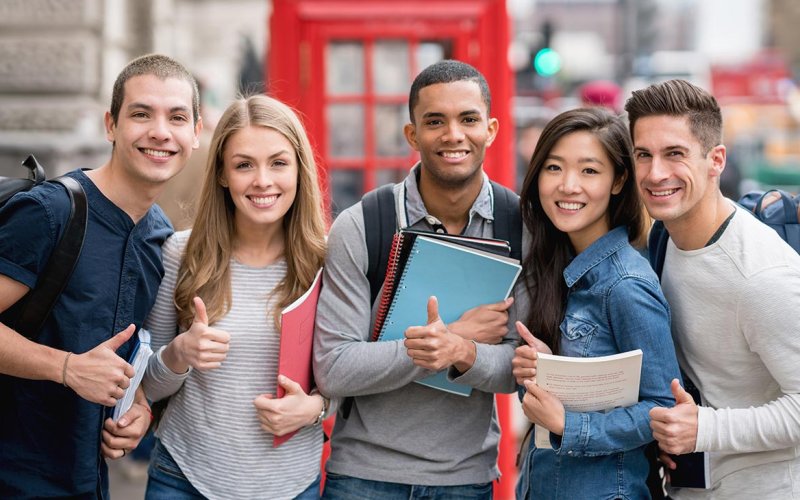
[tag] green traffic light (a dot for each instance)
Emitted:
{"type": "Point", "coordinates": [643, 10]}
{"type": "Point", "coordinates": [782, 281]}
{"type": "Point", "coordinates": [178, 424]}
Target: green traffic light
{"type": "Point", "coordinates": [547, 62]}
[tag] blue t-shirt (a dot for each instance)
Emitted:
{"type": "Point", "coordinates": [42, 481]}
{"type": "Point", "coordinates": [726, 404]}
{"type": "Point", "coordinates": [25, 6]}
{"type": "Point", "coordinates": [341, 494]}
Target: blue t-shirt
{"type": "Point", "coordinates": [49, 436]}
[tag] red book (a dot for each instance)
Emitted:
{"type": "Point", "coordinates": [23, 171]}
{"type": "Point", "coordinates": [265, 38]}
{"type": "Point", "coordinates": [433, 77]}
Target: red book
{"type": "Point", "coordinates": [297, 334]}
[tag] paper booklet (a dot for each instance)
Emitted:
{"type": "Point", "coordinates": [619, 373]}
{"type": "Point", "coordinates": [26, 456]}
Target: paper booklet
{"type": "Point", "coordinates": [589, 384]}
{"type": "Point", "coordinates": [297, 335]}
{"type": "Point", "coordinates": [138, 360]}
{"type": "Point", "coordinates": [460, 277]}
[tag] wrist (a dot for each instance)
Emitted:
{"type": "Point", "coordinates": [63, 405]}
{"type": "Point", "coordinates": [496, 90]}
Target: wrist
{"type": "Point", "coordinates": [173, 358]}
{"type": "Point", "coordinates": [468, 356]}
{"type": "Point", "coordinates": [323, 413]}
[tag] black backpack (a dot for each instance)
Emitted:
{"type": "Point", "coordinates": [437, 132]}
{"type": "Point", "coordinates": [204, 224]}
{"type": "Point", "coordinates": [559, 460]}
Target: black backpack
{"type": "Point", "coordinates": [28, 315]}
{"type": "Point", "coordinates": [380, 224]}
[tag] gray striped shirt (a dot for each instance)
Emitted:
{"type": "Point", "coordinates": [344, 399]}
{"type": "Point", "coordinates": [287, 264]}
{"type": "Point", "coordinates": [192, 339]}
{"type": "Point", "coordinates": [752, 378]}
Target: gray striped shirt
{"type": "Point", "coordinates": [210, 426]}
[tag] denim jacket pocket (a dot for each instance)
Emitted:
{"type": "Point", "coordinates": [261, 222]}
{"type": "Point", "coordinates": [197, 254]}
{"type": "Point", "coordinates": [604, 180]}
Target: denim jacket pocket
{"type": "Point", "coordinates": [578, 334]}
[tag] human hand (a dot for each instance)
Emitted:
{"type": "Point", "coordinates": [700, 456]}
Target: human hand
{"type": "Point", "coordinates": [294, 410]}
{"type": "Point", "coordinates": [122, 436]}
{"type": "Point", "coordinates": [543, 408]}
{"type": "Point", "coordinates": [434, 347]}
{"type": "Point", "coordinates": [487, 323]}
{"type": "Point", "coordinates": [675, 428]}
{"type": "Point", "coordinates": [526, 356]}
{"type": "Point", "coordinates": [201, 346]}
{"type": "Point", "coordinates": [100, 375]}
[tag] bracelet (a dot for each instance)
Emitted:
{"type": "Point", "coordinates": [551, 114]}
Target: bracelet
{"type": "Point", "coordinates": [64, 370]}
{"type": "Point", "coordinates": [325, 404]}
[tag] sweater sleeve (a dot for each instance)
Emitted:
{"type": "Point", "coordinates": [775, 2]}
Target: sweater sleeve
{"type": "Point", "coordinates": [159, 381]}
{"type": "Point", "coordinates": [346, 363]}
{"type": "Point", "coordinates": [768, 313]}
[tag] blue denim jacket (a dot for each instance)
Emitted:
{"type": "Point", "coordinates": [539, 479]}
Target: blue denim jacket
{"type": "Point", "coordinates": [614, 304]}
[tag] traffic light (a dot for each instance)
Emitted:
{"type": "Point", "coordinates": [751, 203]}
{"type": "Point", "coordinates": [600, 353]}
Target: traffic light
{"type": "Point", "coordinates": [546, 62]}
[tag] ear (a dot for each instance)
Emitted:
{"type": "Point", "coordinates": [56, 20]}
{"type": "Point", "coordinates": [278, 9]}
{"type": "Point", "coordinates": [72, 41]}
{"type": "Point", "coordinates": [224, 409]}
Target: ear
{"type": "Point", "coordinates": [494, 126]}
{"type": "Point", "coordinates": [718, 155]}
{"type": "Point", "coordinates": [616, 188]}
{"type": "Point", "coordinates": [198, 127]}
{"type": "Point", "coordinates": [109, 124]}
{"type": "Point", "coordinates": [410, 131]}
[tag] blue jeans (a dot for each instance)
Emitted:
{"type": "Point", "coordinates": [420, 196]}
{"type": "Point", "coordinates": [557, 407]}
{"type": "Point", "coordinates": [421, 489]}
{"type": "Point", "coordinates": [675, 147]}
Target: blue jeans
{"type": "Point", "coordinates": [352, 488]}
{"type": "Point", "coordinates": [167, 482]}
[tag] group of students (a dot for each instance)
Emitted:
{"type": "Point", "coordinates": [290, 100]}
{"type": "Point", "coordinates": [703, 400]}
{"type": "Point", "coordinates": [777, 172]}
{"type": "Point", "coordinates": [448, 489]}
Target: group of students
{"type": "Point", "coordinates": [211, 298]}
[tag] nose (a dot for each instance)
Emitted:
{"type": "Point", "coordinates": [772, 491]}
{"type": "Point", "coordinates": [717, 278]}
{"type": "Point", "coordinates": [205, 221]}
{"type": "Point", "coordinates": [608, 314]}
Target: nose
{"type": "Point", "coordinates": [570, 183]}
{"type": "Point", "coordinates": [454, 133]}
{"type": "Point", "coordinates": [658, 171]}
{"type": "Point", "coordinates": [160, 130]}
{"type": "Point", "coordinates": [262, 178]}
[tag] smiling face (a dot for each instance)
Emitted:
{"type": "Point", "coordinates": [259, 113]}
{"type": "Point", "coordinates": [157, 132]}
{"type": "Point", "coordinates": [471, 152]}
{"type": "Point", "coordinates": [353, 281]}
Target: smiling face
{"type": "Point", "coordinates": [155, 133]}
{"type": "Point", "coordinates": [575, 186]}
{"type": "Point", "coordinates": [451, 131]}
{"type": "Point", "coordinates": [676, 180]}
{"type": "Point", "coordinates": [260, 171]}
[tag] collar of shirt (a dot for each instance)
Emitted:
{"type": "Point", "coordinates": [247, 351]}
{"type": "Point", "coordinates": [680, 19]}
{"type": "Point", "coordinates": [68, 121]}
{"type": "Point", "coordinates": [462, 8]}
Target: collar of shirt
{"type": "Point", "coordinates": [415, 208]}
{"type": "Point", "coordinates": [600, 250]}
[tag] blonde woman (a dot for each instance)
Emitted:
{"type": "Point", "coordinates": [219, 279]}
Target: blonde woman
{"type": "Point", "coordinates": [256, 245]}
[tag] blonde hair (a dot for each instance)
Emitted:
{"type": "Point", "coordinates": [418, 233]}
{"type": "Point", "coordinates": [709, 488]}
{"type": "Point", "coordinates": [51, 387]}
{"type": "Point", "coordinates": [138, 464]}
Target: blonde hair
{"type": "Point", "coordinates": [204, 269]}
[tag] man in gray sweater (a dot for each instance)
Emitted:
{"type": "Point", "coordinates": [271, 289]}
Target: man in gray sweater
{"type": "Point", "coordinates": [402, 439]}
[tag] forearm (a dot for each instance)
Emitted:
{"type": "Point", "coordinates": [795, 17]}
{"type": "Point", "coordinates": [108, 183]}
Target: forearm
{"type": "Point", "coordinates": [595, 433]}
{"type": "Point", "coordinates": [159, 381]}
{"type": "Point", "coordinates": [491, 370]}
{"type": "Point", "coordinates": [19, 357]}
{"type": "Point", "coordinates": [772, 426]}
{"type": "Point", "coordinates": [361, 368]}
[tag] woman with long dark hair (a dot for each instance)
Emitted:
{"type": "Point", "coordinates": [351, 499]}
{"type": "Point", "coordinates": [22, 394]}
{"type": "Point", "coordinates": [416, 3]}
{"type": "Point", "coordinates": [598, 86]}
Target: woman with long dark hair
{"type": "Point", "coordinates": [592, 294]}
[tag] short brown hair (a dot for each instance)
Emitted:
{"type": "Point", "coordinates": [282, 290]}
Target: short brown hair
{"type": "Point", "coordinates": [158, 65]}
{"type": "Point", "coordinates": [679, 98]}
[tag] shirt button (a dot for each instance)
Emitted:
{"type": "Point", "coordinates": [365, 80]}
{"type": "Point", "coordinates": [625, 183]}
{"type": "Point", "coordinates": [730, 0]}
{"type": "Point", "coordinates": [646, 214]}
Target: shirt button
{"type": "Point", "coordinates": [569, 453]}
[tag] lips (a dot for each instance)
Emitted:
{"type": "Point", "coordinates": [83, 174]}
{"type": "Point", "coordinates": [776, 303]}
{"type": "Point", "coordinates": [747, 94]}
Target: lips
{"type": "Point", "coordinates": [570, 205]}
{"type": "Point", "coordinates": [453, 155]}
{"type": "Point", "coordinates": [663, 192]}
{"type": "Point", "coordinates": [156, 152]}
{"type": "Point", "coordinates": [264, 199]}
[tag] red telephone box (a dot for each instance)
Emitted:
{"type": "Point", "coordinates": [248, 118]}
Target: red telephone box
{"type": "Point", "coordinates": [347, 66]}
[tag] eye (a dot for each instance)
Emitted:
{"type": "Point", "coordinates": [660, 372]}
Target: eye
{"type": "Point", "coordinates": [552, 167]}
{"type": "Point", "coordinates": [139, 114]}
{"type": "Point", "coordinates": [180, 118]}
{"type": "Point", "coordinates": [471, 119]}
{"type": "Point", "coordinates": [590, 170]}
{"type": "Point", "coordinates": [280, 163]}
{"type": "Point", "coordinates": [243, 165]}
{"type": "Point", "coordinates": [675, 154]}
{"type": "Point", "coordinates": [433, 122]}
{"type": "Point", "coordinates": [642, 155]}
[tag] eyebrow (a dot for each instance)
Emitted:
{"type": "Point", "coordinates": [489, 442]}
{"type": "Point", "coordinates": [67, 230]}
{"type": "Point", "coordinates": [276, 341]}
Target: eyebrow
{"type": "Point", "coordinates": [585, 159]}
{"type": "Point", "coordinates": [438, 114]}
{"type": "Point", "coordinates": [147, 107]}
{"type": "Point", "coordinates": [246, 156]}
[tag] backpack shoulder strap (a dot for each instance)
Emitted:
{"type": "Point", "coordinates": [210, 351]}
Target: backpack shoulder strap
{"type": "Point", "coordinates": [380, 224]}
{"type": "Point", "coordinates": [507, 218]}
{"type": "Point", "coordinates": [657, 246]}
{"type": "Point", "coordinates": [39, 302]}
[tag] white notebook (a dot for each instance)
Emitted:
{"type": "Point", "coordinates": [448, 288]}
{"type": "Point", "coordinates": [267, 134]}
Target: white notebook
{"type": "Point", "coordinates": [138, 359]}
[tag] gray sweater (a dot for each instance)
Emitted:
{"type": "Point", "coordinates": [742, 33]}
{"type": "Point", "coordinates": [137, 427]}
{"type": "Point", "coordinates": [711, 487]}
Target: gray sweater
{"type": "Point", "coordinates": [397, 430]}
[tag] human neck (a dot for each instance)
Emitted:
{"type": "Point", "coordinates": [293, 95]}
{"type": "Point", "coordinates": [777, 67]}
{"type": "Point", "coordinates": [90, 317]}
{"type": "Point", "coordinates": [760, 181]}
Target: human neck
{"type": "Point", "coordinates": [258, 247]}
{"type": "Point", "coordinates": [132, 197]}
{"type": "Point", "coordinates": [694, 230]}
{"type": "Point", "coordinates": [449, 204]}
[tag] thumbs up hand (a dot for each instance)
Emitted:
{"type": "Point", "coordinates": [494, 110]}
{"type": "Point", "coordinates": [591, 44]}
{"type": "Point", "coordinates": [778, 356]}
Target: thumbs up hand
{"type": "Point", "coordinates": [202, 347]}
{"type": "Point", "coordinates": [100, 375]}
{"type": "Point", "coordinates": [435, 347]}
{"type": "Point", "coordinates": [675, 428]}
{"type": "Point", "coordinates": [294, 410]}
{"type": "Point", "coordinates": [526, 355]}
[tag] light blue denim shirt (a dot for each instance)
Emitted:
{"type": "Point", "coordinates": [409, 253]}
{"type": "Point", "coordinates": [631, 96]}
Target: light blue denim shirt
{"type": "Point", "coordinates": [614, 304]}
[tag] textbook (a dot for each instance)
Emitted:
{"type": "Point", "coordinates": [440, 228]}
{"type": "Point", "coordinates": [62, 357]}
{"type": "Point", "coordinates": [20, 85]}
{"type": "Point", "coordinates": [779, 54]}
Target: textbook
{"type": "Point", "coordinates": [589, 384]}
{"type": "Point", "coordinates": [459, 276]}
{"type": "Point", "coordinates": [138, 360]}
{"type": "Point", "coordinates": [297, 334]}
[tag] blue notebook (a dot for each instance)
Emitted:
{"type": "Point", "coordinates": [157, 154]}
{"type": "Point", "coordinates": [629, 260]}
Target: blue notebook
{"type": "Point", "coordinates": [461, 278]}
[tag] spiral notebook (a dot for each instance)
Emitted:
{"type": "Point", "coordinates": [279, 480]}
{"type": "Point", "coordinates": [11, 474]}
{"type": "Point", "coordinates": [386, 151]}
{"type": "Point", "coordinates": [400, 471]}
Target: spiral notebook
{"type": "Point", "coordinates": [460, 277]}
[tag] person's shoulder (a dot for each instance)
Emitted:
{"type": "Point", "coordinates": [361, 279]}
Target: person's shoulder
{"type": "Point", "coordinates": [349, 222]}
{"type": "Point", "coordinates": [633, 270]}
{"type": "Point", "coordinates": [757, 247]}
{"type": "Point", "coordinates": [176, 243]}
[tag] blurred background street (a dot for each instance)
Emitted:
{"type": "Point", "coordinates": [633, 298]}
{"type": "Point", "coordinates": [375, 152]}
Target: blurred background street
{"type": "Point", "coordinates": [346, 66]}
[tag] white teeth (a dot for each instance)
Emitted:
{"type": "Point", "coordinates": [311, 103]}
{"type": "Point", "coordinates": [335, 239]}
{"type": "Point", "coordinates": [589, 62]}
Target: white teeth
{"type": "Point", "coordinates": [570, 206]}
{"type": "Point", "coordinates": [154, 152]}
{"type": "Point", "coordinates": [454, 154]}
{"type": "Point", "coordinates": [264, 200]}
{"type": "Point", "coordinates": [664, 193]}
